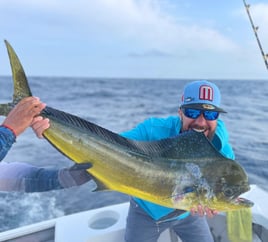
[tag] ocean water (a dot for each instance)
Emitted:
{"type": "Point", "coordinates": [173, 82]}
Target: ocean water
{"type": "Point", "coordinates": [118, 105]}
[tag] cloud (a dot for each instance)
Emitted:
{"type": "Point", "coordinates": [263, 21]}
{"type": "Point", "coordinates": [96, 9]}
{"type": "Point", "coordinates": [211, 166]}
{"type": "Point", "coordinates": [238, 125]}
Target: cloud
{"type": "Point", "coordinates": [147, 24]}
{"type": "Point", "coordinates": [108, 34]}
{"type": "Point", "coordinates": [143, 23]}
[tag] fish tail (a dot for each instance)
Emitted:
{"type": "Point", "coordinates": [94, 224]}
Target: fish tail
{"type": "Point", "coordinates": [21, 86]}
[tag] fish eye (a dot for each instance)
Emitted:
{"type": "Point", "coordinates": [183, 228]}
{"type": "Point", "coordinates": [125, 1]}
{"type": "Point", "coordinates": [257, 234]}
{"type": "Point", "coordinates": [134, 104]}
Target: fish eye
{"type": "Point", "coordinates": [228, 192]}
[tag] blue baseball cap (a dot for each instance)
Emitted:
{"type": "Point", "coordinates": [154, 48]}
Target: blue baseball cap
{"type": "Point", "coordinates": [202, 95]}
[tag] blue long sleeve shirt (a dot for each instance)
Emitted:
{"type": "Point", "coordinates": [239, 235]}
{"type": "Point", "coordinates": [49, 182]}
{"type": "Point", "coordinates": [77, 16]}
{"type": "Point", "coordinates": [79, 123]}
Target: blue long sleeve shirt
{"type": "Point", "coordinates": [7, 139]}
{"type": "Point", "coordinates": [160, 128]}
{"type": "Point", "coordinates": [17, 176]}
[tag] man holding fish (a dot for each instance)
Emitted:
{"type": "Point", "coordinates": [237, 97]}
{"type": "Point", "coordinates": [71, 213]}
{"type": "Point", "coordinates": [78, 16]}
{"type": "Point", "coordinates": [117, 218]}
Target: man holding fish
{"type": "Point", "coordinates": [199, 111]}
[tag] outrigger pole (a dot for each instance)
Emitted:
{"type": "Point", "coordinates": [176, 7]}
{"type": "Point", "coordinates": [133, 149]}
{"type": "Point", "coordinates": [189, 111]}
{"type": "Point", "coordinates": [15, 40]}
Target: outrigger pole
{"type": "Point", "coordinates": [255, 29]}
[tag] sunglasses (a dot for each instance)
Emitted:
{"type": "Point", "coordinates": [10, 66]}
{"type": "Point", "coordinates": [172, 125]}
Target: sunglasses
{"type": "Point", "coordinates": [195, 113]}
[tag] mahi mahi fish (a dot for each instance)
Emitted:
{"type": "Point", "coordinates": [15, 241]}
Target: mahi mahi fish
{"type": "Point", "coordinates": [179, 172]}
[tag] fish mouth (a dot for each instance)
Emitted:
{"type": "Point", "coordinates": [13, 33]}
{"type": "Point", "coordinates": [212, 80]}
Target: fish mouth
{"type": "Point", "coordinates": [243, 201]}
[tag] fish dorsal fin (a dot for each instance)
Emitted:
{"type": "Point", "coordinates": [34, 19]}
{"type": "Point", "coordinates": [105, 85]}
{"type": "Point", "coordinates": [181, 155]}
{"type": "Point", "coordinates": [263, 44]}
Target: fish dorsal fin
{"type": "Point", "coordinates": [190, 145]}
{"type": "Point", "coordinates": [95, 130]}
{"type": "Point", "coordinates": [187, 145]}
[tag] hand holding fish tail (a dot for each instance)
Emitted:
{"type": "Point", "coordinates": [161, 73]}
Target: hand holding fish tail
{"type": "Point", "coordinates": [39, 125]}
{"type": "Point", "coordinates": [22, 115]}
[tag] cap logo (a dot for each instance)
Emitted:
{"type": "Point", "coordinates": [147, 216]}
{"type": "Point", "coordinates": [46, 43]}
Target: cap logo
{"type": "Point", "coordinates": [208, 106]}
{"type": "Point", "coordinates": [206, 93]}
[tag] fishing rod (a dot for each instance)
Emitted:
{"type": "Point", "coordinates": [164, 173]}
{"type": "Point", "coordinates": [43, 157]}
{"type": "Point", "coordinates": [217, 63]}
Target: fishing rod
{"type": "Point", "coordinates": [255, 30]}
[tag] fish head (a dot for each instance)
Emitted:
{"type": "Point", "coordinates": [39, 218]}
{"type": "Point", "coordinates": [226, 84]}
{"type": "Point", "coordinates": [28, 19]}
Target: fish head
{"type": "Point", "coordinates": [227, 181]}
{"type": "Point", "coordinates": [217, 185]}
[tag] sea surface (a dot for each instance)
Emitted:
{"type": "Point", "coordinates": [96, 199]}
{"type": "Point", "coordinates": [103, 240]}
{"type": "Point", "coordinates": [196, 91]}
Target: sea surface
{"type": "Point", "coordinates": [118, 105]}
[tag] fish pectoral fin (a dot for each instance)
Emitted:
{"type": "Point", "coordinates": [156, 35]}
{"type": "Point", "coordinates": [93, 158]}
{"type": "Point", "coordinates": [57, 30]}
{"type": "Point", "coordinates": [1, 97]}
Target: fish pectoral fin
{"type": "Point", "coordinates": [81, 166]}
{"type": "Point", "coordinates": [100, 185]}
{"type": "Point", "coordinates": [87, 166]}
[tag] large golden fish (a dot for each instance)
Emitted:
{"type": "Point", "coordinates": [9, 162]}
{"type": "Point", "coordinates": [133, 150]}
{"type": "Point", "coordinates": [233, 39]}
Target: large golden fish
{"type": "Point", "coordinates": [179, 172]}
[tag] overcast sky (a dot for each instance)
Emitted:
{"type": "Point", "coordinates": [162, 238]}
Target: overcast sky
{"type": "Point", "coordinates": [135, 38]}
